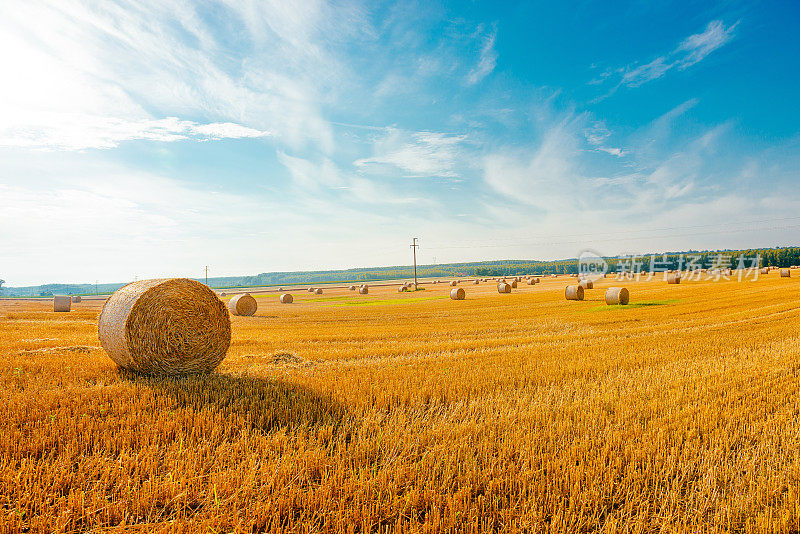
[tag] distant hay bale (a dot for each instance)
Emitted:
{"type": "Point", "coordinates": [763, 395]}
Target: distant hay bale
{"type": "Point", "coordinates": [764, 270]}
{"type": "Point", "coordinates": [286, 298]}
{"type": "Point", "coordinates": [244, 305]}
{"type": "Point", "coordinates": [514, 284]}
{"type": "Point", "coordinates": [586, 284]}
{"type": "Point", "coordinates": [673, 278]}
{"type": "Point", "coordinates": [503, 287]}
{"type": "Point", "coordinates": [476, 282]}
{"type": "Point", "coordinates": [363, 290]}
{"type": "Point", "coordinates": [401, 289]}
{"type": "Point", "coordinates": [531, 281]}
{"type": "Point", "coordinates": [352, 288]}
{"type": "Point", "coordinates": [165, 327]}
{"type": "Point", "coordinates": [62, 303]}
{"type": "Point", "coordinates": [76, 298]}
{"type": "Point", "coordinates": [310, 289]}
{"type": "Point", "coordinates": [453, 283]}
{"type": "Point", "coordinates": [786, 273]}
{"type": "Point", "coordinates": [617, 295]}
{"type": "Point", "coordinates": [318, 291]}
{"type": "Point", "coordinates": [573, 293]}
{"type": "Point", "coordinates": [458, 293]}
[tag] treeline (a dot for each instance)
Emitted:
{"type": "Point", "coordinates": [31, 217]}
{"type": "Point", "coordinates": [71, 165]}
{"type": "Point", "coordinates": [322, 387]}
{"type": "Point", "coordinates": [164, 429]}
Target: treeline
{"type": "Point", "coordinates": [780, 257]}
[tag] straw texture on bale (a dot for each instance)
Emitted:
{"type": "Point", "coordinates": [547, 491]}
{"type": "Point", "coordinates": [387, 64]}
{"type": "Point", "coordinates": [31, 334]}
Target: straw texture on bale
{"type": "Point", "coordinates": [786, 273]}
{"type": "Point", "coordinates": [244, 305]}
{"type": "Point", "coordinates": [674, 279]}
{"type": "Point", "coordinates": [286, 298]}
{"type": "Point", "coordinates": [171, 326]}
{"type": "Point", "coordinates": [62, 303]}
{"type": "Point", "coordinates": [76, 298]}
{"type": "Point", "coordinates": [617, 295]}
{"type": "Point", "coordinates": [318, 291]}
{"type": "Point", "coordinates": [574, 293]}
{"type": "Point", "coordinates": [586, 284]}
{"type": "Point", "coordinates": [458, 293]}
{"type": "Point", "coordinates": [363, 290]}
{"type": "Point", "coordinates": [502, 287]}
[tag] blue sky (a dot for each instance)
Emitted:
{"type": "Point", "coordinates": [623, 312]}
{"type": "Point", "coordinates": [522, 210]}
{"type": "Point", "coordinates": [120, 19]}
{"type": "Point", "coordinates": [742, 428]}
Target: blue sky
{"type": "Point", "coordinates": [151, 139]}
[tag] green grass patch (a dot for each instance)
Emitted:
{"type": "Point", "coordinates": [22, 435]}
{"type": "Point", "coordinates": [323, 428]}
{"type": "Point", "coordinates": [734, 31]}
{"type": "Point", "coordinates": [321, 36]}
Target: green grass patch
{"type": "Point", "coordinates": [642, 304]}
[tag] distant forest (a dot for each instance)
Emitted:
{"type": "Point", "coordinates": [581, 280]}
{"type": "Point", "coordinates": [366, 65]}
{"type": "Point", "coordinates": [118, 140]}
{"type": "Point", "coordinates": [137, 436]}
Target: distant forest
{"type": "Point", "coordinates": [780, 257]}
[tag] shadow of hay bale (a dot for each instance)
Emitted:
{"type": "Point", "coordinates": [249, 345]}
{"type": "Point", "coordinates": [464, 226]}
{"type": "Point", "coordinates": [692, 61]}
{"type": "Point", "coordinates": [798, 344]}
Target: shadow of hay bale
{"type": "Point", "coordinates": [252, 402]}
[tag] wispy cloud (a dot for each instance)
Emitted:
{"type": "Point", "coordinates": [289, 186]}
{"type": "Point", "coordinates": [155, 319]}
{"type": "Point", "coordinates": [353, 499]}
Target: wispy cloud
{"type": "Point", "coordinates": [487, 61]}
{"type": "Point", "coordinates": [417, 154]}
{"type": "Point", "coordinates": [78, 132]}
{"type": "Point", "coordinates": [690, 51]}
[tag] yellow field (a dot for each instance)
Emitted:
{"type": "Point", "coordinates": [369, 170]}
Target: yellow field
{"type": "Point", "coordinates": [521, 413]}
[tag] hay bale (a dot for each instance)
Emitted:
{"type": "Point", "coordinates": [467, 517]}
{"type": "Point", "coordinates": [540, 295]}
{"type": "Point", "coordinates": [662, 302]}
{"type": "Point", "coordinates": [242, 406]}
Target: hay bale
{"type": "Point", "coordinates": [764, 270]}
{"type": "Point", "coordinates": [167, 326]}
{"type": "Point", "coordinates": [586, 284]}
{"type": "Point", "coordinates": [453, 283]}
{"type": "Point", "coordinates": [458, 293]}
{"type": "Point", "coordinates": [244, 305]}
{"type": "Point", "coordinates": [352, 288]}
{"type": "Point", "coordinates": [401, 289]}
{"type": "Point", "coordinates": [476, 282]}
{"type": "Point", "coordinates": [363, 290]}
{"type": "Point", "coordinates": [318, 291]}
{"type": "Point", "coordinates": [617, 295]}
{"type": "Point", "coordinates": [531, 281]}
{"type": "Point", "coordinates": [62, 303]}
{"type": "Point", "coordinates": [310, 289]}
{"type": "Point", "coordinates": [503, 287]}
{"type": "Point", "coordinates": [514, 284]}
{"type": "Point", "coordinates": [286, 298]}
{"type": "Point", "coordinates": [76, 298]}
{"type": "Point", "coordinates": [786, 273]}
{"type": "Point", "coordinates": [673, 278]}
{"type": "Point", "coordinates": [574, 293]}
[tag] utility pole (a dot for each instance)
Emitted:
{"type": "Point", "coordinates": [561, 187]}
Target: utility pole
{"type": "Point", "coordinates": [96, 284]}
{"type": "Point", "coordinates": [414, 247]}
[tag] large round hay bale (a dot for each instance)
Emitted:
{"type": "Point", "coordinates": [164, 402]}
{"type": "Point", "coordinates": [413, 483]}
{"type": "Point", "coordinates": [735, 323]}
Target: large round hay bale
{"type": "Point", "coordinates": [514, 284]}
{"type": "Point", "coordinates": [363, 290]}
{"type": "Point", "coordinates": [286, 298]}
{"type": "Point", "coordinates": [503, 287]}
{"type": "Point", "coordinates": [457, 293]}
{"type": "Point", "coordinates": [76, 298]}
{"type": "Point", "coordinates": [453, 283]}
{"type": "Point", "coordinates": [244, 305]}
{"type": "Point", "coordinates": [352, 288]}
{"type": "Point", "coordinates": [617, 295]}
{"type": "Point", "coordinates": [673, 278]}
{"type": "Point", "coordinates": [62, 303]}
{"type": "Point", "coordinates": [531, 281]}
{"type": "Point", "coordinates": [318, 291]}
{"type": "Point", "coordinates": [167, 326]}
{"type": "Point", "coordinates": [786, 273]}
{"type": "Point", "coordinates": [586, 284]}
{"type": "Point", "coordinates": [574, 293]}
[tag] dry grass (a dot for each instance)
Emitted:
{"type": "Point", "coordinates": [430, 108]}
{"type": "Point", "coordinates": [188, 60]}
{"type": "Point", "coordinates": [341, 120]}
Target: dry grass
{"type": "Point", "coordinates": [521, 412]}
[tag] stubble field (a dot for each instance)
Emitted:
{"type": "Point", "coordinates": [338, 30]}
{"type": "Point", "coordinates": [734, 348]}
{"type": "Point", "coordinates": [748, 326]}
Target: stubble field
{"type": "Point", "coordinates": [396, 412]}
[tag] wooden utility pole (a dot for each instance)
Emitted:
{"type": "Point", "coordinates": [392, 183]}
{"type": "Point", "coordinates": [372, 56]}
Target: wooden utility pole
{"type": "Point", "coordinates": [414, 247]}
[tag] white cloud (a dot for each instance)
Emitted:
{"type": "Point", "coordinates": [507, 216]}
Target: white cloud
{"type": "Point", "coordinates": [487, 60]}
{"type": "Point", "coordinates": [417, 154]}
{"type": "Point", "coordinates": [690, 51]}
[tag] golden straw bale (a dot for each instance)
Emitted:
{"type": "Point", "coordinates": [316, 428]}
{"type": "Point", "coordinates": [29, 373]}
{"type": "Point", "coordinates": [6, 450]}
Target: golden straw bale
{"type": "Point", "coordinates": [363, 290]}
{"type": "Point", "coordinates": [458, 293]}
{"type": "Point", "coordinates": [352, 288]}
{"type": "Point", "coordinates": [453, 283]}
{"type": "Point", "coordinates": [573, 292]}
{"type": "Point", "coordinates": [503, 287]}
{"type": "Point", "coordinates": [62, 303]}
{"type": "Point", "coordinates": [586, 284]}
{"type": "Point", "coordinates": [786, 273]}
{"type": "Point", "coordinates": [76, 298]}
{"type": "Point", "coordinates": [165, 327]}
{"type": "Point", "coordinates": [286, 298]}
{"type": "Point", "coordinates": [673, 279]}
{"type": "Point", "coordinates": [617, 295]}
{"type": "Point", "coordinates": [514, 284]}
{"type": "Point", "coordinates": [318, 291]}
{"type": "Point", "coordinates": [244, 305]}
{"type": "Point", "coordinates": [310, 289]}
